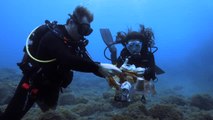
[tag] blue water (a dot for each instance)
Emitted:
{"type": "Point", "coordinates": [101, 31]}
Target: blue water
{"type": "Point", "coordinates": [183, 32]}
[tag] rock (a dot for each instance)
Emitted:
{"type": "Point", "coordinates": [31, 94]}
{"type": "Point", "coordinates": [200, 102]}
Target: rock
{"type": "Point", "coordinates": [70, 99]}
{"type": "Point", "coordinates": [81, 100]}
{"type": "Point", "coordinates": [202, 101]}
{"type": "Point", "coordinates": [107, 95]}
{"type": "Point", "coordinates": [200, 116]}
{"type": "Point", "coordinates": [51, 115]}
{"type": "Point", "coordinates": [105, 107]}
{"type": "Point", "coordinates": [121, 117]}
{"type": "Point", "coordinates": [85, 109]}
{"type": "Point", "coordinates": [6, 93]}
{"type": "Point", "coordinates": [119, 104]}
{"type": "Point", "coordinates": [178, 100]}
{"type": "Point", "coordinates": [67, 99]}
{"type": "Point", "coordinates": [67, 113]}
{"type": "Point", "coordinates": [167, 112]}
{"type": "Point", "coordinates": [136, 111]}
{"type": "Point", "coordinates": [91, 108]}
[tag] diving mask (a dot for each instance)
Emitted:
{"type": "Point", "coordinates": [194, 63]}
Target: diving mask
{"type": "Point", "coordinates": [134, 46]}
{"type": "Point", "coordinates": [84, 27]}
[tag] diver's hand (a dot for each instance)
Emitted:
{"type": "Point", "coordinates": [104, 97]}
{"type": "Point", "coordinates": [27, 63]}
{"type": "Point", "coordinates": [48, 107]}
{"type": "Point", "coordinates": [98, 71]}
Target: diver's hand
{"type": "Point", "coordinates": [108, 70]}
{"type": "Point", "coordinates": [125, 66]}
{"type": "Point", "coordinates": [140, 70]}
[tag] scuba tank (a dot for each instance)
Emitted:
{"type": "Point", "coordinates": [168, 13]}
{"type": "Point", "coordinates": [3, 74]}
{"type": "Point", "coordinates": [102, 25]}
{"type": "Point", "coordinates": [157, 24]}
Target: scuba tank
{"type": "Point", "coordinates": [34, 38]}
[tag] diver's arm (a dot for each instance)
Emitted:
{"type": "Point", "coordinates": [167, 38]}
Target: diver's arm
{"type": "Point", "coordinates": [86, 55]}
{"type": "Point", "coordinates": [121, 59]}
{"type": "Point", "coordinates": [88, 58]}
{"type": "Point", "coordinates": [57, 48]}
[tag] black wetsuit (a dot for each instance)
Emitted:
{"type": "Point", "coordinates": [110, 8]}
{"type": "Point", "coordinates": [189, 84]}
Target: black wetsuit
{"type": "Point", "coordinates": [49, 79]}
{"type": "Point", "coordinates": [145, 60]}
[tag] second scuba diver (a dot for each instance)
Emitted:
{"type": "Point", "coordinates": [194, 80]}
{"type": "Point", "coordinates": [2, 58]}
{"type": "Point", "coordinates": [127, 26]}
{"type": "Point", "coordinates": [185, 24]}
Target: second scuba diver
{"type": "Point", "coordinates": [136, 61]}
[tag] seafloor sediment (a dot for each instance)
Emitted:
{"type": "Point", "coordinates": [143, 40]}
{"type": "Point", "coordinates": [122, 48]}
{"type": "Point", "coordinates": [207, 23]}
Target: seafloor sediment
{"type": "Point", "coordinates": [89, 98]}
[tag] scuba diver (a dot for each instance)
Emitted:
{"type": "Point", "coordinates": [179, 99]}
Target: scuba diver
{"type": "Point", "coordinates": [52, 51]}
{"type": "Point", "coordinates": [136, 61]}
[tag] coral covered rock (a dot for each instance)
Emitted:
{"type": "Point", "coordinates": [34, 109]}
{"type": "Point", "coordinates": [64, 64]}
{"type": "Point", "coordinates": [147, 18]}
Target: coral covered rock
{"type": "Point", "coordinates": [163, 111]}
{"type": "Point", "coordinates": [202, 101]}
{"type": "Point", "coordinates": [178, 100]}
{"type": "Point", "coordinates": [127, 117]}
{"type": "Point", "coordinates": [70, 99]}
{"type": "Point", "coordinates": [118, 104]}
{"type": "Point", "coordinates": [108, 95]}
{"type": "Point", "coordinates": [79, 100]}
{"type": "Point", "coordinates": [91, 108]}
{"type": "Point", "coordinates": [121, 117]}
{"type": "Point", "coordinates": [205, 116]}
{"type": "Point", "coordinates": [6, 93]}
{"type": "Point", "coordinates": [67, 99]}
{"type": "Point", "coordinates": [84, 110]}
{"type": "Point", "coordinates": [105, 107]}
{"type": "Point", "coordinates": [201, 116]}
{"type": "Point", "coordinates": [9, 74]}
{"type": "Point", "coordinates": [137, 110]}
{"type": "Point", "coordinates": [51, 115]}
{"type": "Point", "coordinates": [67, 113]}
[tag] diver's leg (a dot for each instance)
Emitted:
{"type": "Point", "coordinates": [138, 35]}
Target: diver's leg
{"type": "Point", "coordinates": [143, 99]}
{"type": "Point", "coordinates": [14, 110]}
{"type": "Point", "coordinates": [48, 98]}
{"type": "Point", "coordinates": [117, 96]}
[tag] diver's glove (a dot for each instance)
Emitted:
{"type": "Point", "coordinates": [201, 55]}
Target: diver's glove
{"type": "Point", "coordinates": [140, 71]}
{"type": "Point", "coordinates": [127, 67]}
{"type": "Point", "coordinates": [108, 70]}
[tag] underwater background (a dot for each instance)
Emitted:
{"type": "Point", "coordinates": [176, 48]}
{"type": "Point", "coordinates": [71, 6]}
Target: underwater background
{"type": "Point", "coordinates": [183, 32]}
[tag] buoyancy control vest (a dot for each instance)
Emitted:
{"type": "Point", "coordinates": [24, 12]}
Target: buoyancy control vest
{"type": "Point", "coordinates": [29, 60]}
{"type": "Point", "coordinates": [30, 65]}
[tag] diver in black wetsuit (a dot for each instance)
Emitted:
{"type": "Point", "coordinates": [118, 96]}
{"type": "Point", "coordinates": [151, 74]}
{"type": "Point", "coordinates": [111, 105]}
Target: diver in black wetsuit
{"type": "Point", "coordinates": [49, 69]}
{"type": "Point", "coordinates": [136, 61]}
{"type": "Point", "coordinates": [137, 46]}
{"type": "Point", "coordinates": [137, 51]}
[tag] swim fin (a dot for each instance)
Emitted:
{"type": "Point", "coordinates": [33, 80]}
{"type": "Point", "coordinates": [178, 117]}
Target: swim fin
{"type": "Point", "coordinates": [158, 70]}
{"type": "Point", "coordinates": [108, 40]}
